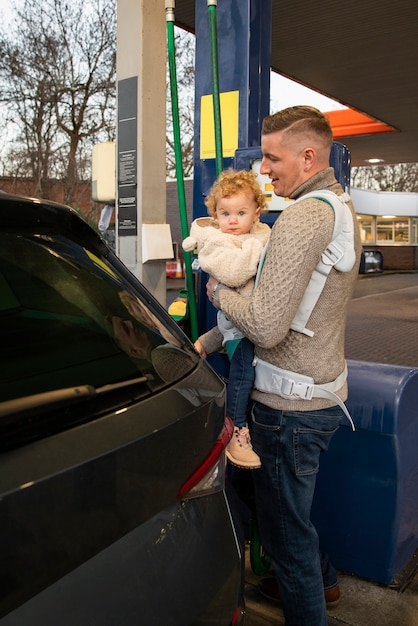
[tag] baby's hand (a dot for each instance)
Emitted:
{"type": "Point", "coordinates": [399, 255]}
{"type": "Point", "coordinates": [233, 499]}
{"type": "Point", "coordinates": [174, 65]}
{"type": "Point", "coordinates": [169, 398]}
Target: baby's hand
{"type": "Point", "coordinates": [200, 349]}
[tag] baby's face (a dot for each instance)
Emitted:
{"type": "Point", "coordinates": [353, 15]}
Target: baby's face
{"type": "Point", "coordinates": [237, 214]}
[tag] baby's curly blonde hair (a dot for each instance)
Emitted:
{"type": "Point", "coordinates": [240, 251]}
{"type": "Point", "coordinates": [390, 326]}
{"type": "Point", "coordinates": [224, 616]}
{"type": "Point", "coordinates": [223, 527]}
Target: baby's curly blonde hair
{"type": "Point", "coordinates": [231, 182]}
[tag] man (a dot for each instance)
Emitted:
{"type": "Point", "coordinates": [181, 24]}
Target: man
{"type": "Point", "coordinates": [297, 403]}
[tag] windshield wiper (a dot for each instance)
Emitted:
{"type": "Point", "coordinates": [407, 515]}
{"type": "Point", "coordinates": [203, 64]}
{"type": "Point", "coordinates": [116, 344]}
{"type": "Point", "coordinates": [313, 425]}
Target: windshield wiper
{"type": "Point", "coordinates": [62, 397]}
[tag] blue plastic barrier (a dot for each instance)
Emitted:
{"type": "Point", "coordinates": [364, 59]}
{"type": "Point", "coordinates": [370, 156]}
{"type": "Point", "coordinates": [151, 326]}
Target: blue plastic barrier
{"type": "Point", "coordinates": [366, 502]}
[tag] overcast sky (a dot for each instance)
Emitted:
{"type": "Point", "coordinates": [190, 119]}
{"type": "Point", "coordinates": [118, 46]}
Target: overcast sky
{"type": "Point", "coordinates": [285, 93]}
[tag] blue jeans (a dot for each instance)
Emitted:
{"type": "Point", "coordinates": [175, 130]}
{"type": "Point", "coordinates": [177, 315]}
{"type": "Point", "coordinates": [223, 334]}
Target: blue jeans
{"type": "Point", "coordinates": [240, 382]}
{"type": "Point", "coordinates": [289, 444]}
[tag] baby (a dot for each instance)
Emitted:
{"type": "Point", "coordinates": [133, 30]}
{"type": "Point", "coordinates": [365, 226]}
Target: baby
{"type": "Point", "coordinates": [229, 245]}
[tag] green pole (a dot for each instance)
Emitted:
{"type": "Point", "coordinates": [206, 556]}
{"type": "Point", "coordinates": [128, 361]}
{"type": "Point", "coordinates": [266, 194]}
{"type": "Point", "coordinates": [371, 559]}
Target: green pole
{"type": "Point", "coordinates": [169, 8]}
{"type": "Point", "coordinates": [215, 85]}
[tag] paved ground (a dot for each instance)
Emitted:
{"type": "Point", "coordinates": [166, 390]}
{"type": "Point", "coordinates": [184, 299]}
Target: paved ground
{"type": "Point", "coordinates": [382, 327]}
{"type": "Point", "coordinates": [363, 603]}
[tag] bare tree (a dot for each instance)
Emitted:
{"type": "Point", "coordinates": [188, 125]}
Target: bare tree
{"type": "Point", "coordinates": [185, 70]}
{"type": "Point", "coordinates": [26, 91]}
{"type": "Point", "coordinates": [397, 177]}
{"type": "Point", "coordinates": [58, 85]}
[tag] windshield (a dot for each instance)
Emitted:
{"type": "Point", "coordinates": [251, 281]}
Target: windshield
{"type": "Point", "coordinates": [68, 318]}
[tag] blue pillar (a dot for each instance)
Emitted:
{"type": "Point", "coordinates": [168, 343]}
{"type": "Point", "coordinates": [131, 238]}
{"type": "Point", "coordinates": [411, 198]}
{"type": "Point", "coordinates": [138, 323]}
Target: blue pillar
{"type": "Point", "coordinates": [244, 45]}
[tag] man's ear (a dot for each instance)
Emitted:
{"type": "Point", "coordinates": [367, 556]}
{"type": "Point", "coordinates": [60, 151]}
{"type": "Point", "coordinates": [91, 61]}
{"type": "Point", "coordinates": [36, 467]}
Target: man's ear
{"type": "Point", "coordinates": [309, 158]}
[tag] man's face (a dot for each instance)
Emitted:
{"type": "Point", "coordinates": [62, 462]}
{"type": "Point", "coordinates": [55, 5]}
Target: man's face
{"type": "Point", "coordinates": [283, 162]}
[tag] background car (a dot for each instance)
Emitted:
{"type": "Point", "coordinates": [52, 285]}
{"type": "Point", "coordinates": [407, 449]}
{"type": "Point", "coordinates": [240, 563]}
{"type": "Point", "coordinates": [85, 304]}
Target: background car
{"type": "Point", "coordinates": [112, 432]}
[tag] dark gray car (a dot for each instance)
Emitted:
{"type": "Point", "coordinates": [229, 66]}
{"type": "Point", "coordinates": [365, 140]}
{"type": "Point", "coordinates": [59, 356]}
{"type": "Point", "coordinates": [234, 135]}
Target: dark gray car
{"type": "Point", "coordinates": [112, 432]}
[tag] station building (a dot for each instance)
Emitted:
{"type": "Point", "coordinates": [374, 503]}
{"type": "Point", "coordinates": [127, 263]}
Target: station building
{"type": "Point", "coordinates": [389, 224]}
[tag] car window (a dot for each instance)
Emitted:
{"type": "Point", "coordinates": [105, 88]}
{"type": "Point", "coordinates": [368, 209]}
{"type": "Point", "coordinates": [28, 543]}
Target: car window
{"type": "Point", "coordinates": [68, 318]}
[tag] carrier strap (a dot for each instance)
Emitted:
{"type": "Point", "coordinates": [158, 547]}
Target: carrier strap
{"type": "Point", "coordinates": [340, 253]}
{"type": "Point", "coordinates": [294, 386]}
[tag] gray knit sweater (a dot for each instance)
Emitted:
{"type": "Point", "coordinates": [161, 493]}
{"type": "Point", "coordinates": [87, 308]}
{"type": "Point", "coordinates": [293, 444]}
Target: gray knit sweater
{"type": "Point", "coordinates": [297, 241]}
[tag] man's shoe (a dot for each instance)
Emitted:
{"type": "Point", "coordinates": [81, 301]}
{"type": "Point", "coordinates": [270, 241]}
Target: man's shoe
{"type": "Point", "coordinates": [269, 589]}
{"type": "Point", "coordinates": [240, 451]}
{"type": "Point", "coordinates": [332, 597]}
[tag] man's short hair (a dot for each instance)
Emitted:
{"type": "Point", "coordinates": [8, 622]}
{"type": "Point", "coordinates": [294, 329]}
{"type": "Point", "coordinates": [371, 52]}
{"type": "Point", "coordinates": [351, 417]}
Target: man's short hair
{"type": "Point", "coordinates": [299, 120]}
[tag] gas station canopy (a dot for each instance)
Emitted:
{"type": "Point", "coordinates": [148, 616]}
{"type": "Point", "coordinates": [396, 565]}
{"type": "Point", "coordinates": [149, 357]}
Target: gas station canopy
{"type": "Point", "coordinates": [362, 54]}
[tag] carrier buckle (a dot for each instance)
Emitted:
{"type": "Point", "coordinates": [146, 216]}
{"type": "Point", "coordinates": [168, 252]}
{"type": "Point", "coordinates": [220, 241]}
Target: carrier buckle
{"type": "Point", "coordinates": [292, 389]}
{"type": "Point", "coordinates": [332, 254]}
